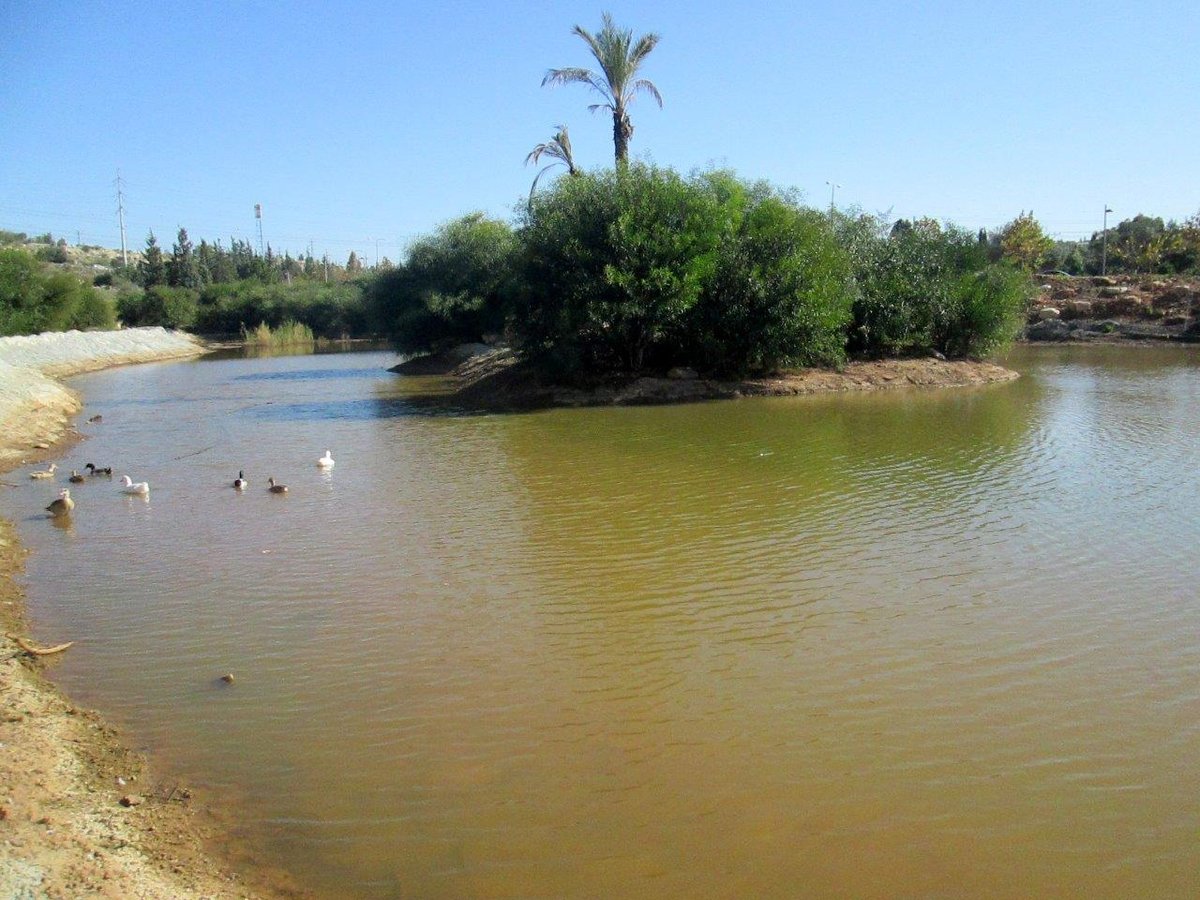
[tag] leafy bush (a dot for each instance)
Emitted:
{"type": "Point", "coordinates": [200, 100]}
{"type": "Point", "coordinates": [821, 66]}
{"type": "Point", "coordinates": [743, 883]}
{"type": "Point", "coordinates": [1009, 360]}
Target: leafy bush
{"type": "Point", "coordinates": [329, 310]}
{"type": "Point", "coordinates": [159, 305]}
{"type": "Point", "coordinates": [451, 288]}
{"type": "Point", "coordinates": [55, 253]}
{"type": "Point", "coordinates": [611, 264]}
{"type": "Point", "coordinates": [32, 301]}
{"type": "Point", "coordinates": [779, 294]}
{"type": "Point", "coordinates": [924, 289]}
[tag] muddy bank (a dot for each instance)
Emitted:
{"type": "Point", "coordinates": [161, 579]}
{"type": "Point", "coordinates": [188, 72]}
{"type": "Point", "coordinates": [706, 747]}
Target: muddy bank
{"type": "Point", "coordinates": [497, 380]}
{"type": "Point", "coordinates": [80, 814]}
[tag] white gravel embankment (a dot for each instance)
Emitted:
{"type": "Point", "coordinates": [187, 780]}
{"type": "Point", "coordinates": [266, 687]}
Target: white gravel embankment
{"type": "Point", "coordinates": [35, 407]}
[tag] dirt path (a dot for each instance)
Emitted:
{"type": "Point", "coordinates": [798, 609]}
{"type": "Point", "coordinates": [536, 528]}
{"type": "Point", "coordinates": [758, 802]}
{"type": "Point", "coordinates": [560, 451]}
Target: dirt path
{"type": "Point", "coordinates": [80, 814]}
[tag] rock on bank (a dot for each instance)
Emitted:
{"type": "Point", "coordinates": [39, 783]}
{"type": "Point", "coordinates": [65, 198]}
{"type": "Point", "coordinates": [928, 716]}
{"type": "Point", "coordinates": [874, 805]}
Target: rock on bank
{"type": "Point", "coordinates": [35, 407]}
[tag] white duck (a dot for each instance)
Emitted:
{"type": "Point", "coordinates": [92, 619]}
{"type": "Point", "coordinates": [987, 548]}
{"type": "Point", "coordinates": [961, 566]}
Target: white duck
{"type": "Point", "coordinates": [326, 461]}
{"type": "Point", "coordinates": [63, 505]}
{"type": "Point", "coordinates": [44, 473]}
{"type": "Point", "coordinates": [129, 486]}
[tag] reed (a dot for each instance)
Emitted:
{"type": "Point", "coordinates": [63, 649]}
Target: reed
{"type": "Point", "coordinates": [289, 334]}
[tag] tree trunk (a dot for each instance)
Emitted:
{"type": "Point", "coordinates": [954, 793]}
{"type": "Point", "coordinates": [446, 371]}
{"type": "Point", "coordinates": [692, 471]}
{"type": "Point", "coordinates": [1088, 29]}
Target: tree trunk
{"type": "Point", "coordinates": [622, 135]}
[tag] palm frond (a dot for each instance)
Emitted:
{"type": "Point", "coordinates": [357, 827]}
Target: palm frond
{"type": "Point", "coordinates": [648, 87]}
{"type": "Point", "coordinates": [642, 48]}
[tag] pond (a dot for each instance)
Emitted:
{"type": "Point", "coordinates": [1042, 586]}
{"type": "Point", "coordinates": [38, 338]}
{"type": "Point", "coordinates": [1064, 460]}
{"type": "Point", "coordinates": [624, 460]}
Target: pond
{"type": "Point", "coordinates": [909, 643]}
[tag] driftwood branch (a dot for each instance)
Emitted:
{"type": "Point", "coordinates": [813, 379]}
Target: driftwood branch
{"type": "Point", "coordinates": [40, 651]}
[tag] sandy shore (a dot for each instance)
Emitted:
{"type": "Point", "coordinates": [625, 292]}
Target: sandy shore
{"type": "Point", "coordinates": [80, 814]}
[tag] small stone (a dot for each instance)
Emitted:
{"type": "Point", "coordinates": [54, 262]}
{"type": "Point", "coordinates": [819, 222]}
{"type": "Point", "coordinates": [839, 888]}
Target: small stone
{"type": "Point", "coordinates": [227, 678]}
{"type": "Point", "coordinates": [132, 800]}
{"type": "Point", "coordinates": [1048, 312]}
{"type": "Point", "coordinates": [41, 446]}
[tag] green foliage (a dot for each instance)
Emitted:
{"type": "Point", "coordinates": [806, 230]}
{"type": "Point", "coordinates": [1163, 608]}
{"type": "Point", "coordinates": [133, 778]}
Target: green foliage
{"type": "Point", "coordinates": [610, 265]}
{"type": "Point", "coordinates": [170, 307]}
{"type": "Point", "coordinates": [450, 289]}
{"type": "Point", "coordinates": [183, 270]}
{"type": "Point", "coordinates": [12, 237]}
{"type": "Point", "coordinates": [32, 301]}
{"type": "Point", "coordinates": [923, 290]}
{"type": "Point", "coordinates": [329, 310]}
{"type": "Point", "coordinates": [1023, 242]}
{"type": "Point", "coordinates": [153, 268]}
{"type": "Point", "coordinates": [780, 294]}
{"type": "Point", "coordinates": [288, 334]}
{"type": "Point", "coordinates": [55, 253]}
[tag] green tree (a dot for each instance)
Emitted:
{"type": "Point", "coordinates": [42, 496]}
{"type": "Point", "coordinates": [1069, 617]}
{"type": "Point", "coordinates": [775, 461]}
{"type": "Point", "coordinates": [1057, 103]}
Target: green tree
{"type": "Point", "coordinates": [1023, 241]}
{"type": "Point", "coordinates": [611, 263]}
{"type": "Point", "coordinates": [353, 264]}
{"type": "Point", "coordinates": [781, 292]}
{"type": "Point", "coordinates": [183, 269]}
{"type": "Point", "coordinates": [451, 288]}
{"type": "Point", "coordinates": [153, 269]}
{"type": "Point", "coordinates": [619, 57]}
{"type": "Point", "coordinates": [558, 149]}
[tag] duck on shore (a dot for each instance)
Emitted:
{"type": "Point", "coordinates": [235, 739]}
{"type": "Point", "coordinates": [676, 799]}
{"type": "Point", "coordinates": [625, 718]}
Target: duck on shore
{"type": "Point", "coordinates": [44, 473]}
{"type": "Point", "coordinates": [63, 505]}
{"type": "Point", "coordinates": [276, 488]}
{"type": "Point", "coordinates": [129, 486]}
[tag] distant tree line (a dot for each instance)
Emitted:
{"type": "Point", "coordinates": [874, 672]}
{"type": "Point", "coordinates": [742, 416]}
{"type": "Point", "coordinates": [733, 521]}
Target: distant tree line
{"type": "Point", "coordinates": [217, 290]}
{"type": "Point", "coordinates": [1142, 245]}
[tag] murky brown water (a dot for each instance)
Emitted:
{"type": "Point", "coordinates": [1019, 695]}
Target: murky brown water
{"type": "Point", "coordinates": [918, 644]}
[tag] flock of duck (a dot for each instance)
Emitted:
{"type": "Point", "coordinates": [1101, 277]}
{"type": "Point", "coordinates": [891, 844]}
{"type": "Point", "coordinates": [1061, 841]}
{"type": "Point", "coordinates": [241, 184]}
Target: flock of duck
{"type": "Point", "coordinates": [63, 505]}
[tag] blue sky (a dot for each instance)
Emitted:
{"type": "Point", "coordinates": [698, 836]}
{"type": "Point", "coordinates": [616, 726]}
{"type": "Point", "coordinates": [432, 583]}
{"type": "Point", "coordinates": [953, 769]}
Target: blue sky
{"type": "Point", "coordinates": [363, 125]}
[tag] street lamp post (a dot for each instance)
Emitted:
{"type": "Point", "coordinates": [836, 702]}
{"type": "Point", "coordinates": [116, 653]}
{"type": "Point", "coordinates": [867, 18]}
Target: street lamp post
{"type": "Point", "coordinates": [832, 191]}
{"type": "Point", "coordinates": [1104, 243]}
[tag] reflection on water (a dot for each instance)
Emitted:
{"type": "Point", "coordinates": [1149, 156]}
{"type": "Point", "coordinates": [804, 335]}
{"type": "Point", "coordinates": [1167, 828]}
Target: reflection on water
{"type": "Point", "coordinates": [926, 643]}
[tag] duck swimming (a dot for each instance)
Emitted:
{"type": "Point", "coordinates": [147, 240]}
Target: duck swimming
{"type": "Point", "coordinates": [326, 461]}
{"type": "Point", "coordinates": [92, 470]}
{"type": "Point", "coordinates": [63, 505]}
{"type": "Point", "coordinates": [44, 473]}
{"type": "Point", "coordinates": [240, 483]}
{"type": "Point", "coordinates": [276, 488]}
{"type": "Point", "coordinates": [75, 478]}
{"type": "Point", "coordinates": [129, 486]}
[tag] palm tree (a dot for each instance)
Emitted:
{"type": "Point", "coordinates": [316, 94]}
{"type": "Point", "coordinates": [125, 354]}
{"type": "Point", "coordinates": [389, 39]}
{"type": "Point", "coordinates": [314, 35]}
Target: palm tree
{"type": "Point", "coordinates": [558, 148]}
{"type": "Point", "coordinates": [619, 57]}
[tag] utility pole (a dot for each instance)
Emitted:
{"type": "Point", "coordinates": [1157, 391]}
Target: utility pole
{"type": "Point", "coordinates": [832, 191]}
{"type": "Point", "coordinates": [258, 218]}
{"type": "Point", "coordinates": [1104, 243]}
{"type": "Point", "coordinates": [121, 217]}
